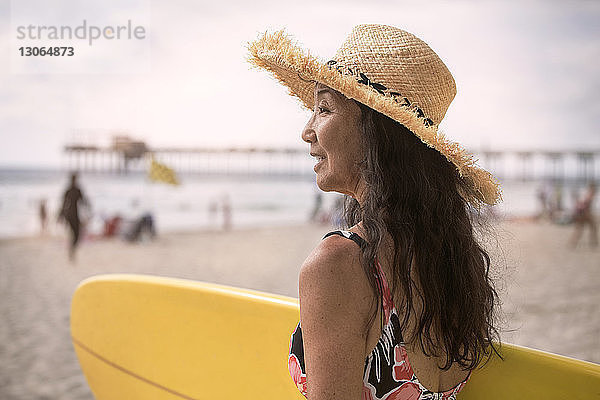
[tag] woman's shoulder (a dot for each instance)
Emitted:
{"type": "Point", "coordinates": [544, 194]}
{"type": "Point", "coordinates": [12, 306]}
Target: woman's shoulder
{"type": "Point", "coordinates": [334, 269]}
{"type": "Point", "coordinates": [333, 285]}
{"type": "Point", "coordinates": [334, 254]}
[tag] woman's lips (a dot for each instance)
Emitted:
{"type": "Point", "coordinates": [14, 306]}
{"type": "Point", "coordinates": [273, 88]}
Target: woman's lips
{"type": "Point", "coordinates": [319, 159]}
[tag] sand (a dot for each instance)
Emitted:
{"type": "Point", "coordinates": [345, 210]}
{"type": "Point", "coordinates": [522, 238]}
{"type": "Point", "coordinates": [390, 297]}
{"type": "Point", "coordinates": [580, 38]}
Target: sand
{"type": "Point", "coordinates": [549, 292]}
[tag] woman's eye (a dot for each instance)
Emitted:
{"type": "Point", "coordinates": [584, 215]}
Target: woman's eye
{"type": "Point", "coordinates": [322, 110]}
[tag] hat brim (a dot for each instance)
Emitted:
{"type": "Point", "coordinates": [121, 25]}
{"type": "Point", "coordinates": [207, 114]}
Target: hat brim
{"type": "Point", "coordinates": [298, 70]}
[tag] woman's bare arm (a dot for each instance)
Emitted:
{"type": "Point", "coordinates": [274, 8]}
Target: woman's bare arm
{"type": "Point", "coordinates": [335, 301]}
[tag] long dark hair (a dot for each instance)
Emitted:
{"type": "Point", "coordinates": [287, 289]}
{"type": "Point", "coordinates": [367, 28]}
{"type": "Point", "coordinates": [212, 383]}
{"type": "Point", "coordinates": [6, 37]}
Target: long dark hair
{"type": "Point", "coordinates": [412, 193]}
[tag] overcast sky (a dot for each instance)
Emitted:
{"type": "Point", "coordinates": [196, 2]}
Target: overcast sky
{"type": "Point", "coordinates": [527, 72]}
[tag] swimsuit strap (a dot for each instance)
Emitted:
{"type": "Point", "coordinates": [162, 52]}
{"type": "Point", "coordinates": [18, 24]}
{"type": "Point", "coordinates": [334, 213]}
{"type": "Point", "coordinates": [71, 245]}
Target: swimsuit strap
{"type": "Point", "coordinates": [348, 235]}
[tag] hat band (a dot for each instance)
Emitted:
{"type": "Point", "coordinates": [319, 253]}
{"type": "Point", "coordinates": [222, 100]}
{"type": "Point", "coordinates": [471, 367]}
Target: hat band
{"type": "Point", "coordinates": [380, 88]}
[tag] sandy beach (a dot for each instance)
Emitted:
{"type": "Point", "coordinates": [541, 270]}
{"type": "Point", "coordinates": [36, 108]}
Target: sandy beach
{"type": "Point", "coordinates": [550, 293]}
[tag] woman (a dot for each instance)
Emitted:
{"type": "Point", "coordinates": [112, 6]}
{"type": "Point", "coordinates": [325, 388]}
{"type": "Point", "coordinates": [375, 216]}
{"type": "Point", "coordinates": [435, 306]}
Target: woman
{"type": "Point", "coordinates": [399, 306]}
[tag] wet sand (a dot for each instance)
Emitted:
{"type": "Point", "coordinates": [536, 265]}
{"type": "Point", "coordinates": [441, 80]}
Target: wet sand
{"type": "Point", "coordinates": [550, 293]}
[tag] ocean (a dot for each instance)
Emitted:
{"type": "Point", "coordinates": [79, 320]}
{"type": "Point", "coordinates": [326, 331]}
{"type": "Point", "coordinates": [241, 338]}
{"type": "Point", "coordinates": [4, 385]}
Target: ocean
{"type": "Point", "coordinates": [197, 204]}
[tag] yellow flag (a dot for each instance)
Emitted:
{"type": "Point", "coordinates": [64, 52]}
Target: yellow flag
{"type": "Point", "coordinates": [161, 173]}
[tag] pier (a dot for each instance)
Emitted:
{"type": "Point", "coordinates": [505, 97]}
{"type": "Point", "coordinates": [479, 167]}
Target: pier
{"type": "Point", "coordinates": [542, 164]}
{"type": "Point", "coordinates": [126, 155]}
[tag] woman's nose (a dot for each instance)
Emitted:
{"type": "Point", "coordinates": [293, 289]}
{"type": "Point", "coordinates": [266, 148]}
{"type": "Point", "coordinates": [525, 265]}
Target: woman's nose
{"type": "Point", "coordinates": [308, 133]}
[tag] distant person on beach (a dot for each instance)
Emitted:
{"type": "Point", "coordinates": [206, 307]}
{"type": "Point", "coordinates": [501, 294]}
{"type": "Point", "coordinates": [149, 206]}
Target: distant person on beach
{"type": "Point", "coordinates": [112, 225]}
{"type": "Point", "coordinates": [558, 198]}
{"type": "Point", "coordinates": [584, 216]}
{"type": "Point", "coordinates": [140, 228]}
{"type": "Point", "coordinates": [542, 196]}
{"type": "Point", "coordinates": [213, 211]}
{"type": "Point", "coordinates": [404, 288]}
{"type": "Point", "coordinates": [69, 212]}
{"type": "Point", "coordinates": [314, 214]}
{"type": "Point", "coordinates": [226, 207]}
{"type": "Point", "coordinates": [43, 215]}
{"type": "Point", "coordinates": [557, 211]}
{"type": "Point", "coordinates": [337, 212]}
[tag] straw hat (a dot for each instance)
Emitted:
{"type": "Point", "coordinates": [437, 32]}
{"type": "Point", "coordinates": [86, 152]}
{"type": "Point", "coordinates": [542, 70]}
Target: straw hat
{"type": "Point", "coordinates": [389, 70]}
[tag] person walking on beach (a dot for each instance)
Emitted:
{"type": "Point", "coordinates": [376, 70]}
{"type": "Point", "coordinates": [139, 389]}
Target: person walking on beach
{"type": "Point", "coordinates": [398, 305]}
{"type": "Point", "coordinates": [542, 197]}
{"type": "Point", "coordinates": [226, 208]}
{"type": "Point", "coordinates": [584, 216]}
{"type": "Point", "coordinates": [43, 214]}
{"type": "Point", "coordinates": [69, 212]}
{"type": "Point", "coordinates": [314, 214]}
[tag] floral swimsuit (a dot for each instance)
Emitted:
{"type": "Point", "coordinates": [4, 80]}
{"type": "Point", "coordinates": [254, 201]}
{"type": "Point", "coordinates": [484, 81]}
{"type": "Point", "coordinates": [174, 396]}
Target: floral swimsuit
{"type": "Point", "coordinates": [387, 374]}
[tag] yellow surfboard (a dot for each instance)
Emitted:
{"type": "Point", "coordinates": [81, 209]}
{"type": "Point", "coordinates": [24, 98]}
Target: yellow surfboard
{"type": "Point", "coordinates": [145, 337]}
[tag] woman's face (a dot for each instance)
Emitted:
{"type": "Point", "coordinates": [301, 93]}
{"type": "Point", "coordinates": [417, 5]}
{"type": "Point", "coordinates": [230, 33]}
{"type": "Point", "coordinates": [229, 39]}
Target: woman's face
{"type": "Point", "coordinates": [333, 132]}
